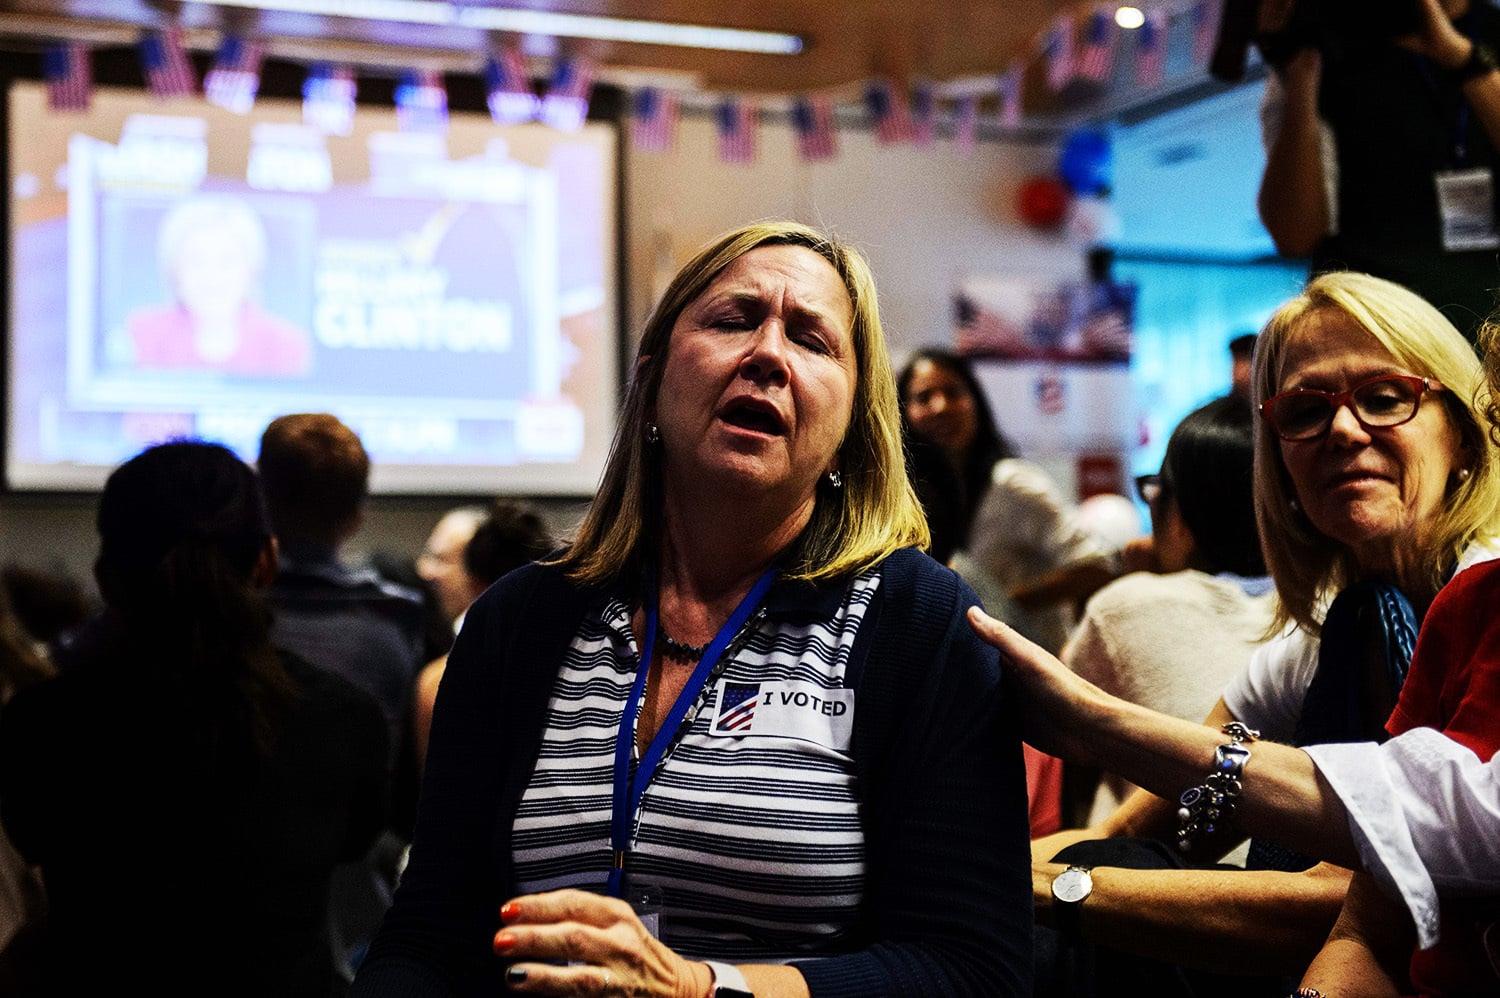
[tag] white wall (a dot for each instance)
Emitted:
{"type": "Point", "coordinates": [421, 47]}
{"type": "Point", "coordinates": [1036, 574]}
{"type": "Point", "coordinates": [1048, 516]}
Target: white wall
{"type": "Point", "coordinates": [923, 216]}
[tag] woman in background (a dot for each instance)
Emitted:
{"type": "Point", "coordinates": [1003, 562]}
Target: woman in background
{"type": "Point", "coordinates": [1017, 524]}
{"type": "Point", "coordinates": [187, 793]}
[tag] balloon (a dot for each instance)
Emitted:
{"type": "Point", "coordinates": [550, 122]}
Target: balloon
{"type": "Point", "coordinates": [1042, 202]}
{"type": "Point", "coordinates": [1084, 164]}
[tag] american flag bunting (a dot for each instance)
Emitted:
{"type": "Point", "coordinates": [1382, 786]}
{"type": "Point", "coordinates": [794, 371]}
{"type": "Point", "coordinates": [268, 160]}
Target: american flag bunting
{"type": "Point", "coordinates": [566, 105]}
{"type": "Point", "coordinates": [812, 118]}
{"type": "Point", "coordinates": [69, 76]}
{"type": "Point", "coordinates": [735, 120]}
{"type": "Point", "coordinates": [966, 123]}
{"type": "Point", "coordinates": [421, 101]}
{"type": "Point", "coordinates": [168, 72]}
{"type": "Point", "coordinates": [888, 112]}
{"type": "Point", "coordinates": [1096, 56]}
{"type": "Point", "coordinates": [1205, 19]}
{"type": "Point", "coordinates": [235, 77]}
{"type": "Point", "coordinates": [923, 113]}
{"type": "Point", "coordinates": [1059, 52]}
{"type": "Point", "coordinates": [1151, 49]}
{"type": "Point", "coordinates": [654, 124]}
{"type": "Point", "coordinates": [328, 99]}
{"type": "Point", "coordinates": [1010, 95]}
{"type": "Point", "coordinates": [508, 89]}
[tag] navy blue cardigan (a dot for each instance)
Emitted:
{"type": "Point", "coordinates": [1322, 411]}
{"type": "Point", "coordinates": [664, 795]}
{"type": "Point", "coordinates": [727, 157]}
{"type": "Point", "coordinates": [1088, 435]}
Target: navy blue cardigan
{"type": "Point", "coordinates": [947, 907]}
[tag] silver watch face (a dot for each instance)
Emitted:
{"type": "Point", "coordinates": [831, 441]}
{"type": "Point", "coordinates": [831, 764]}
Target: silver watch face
{"type": "Point", "coordinates": [1072, 886]}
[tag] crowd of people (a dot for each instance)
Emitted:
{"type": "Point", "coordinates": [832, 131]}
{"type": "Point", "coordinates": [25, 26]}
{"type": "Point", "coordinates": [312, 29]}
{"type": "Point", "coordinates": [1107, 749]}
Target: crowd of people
{"type": "Point", "coordinates": [739, 735]}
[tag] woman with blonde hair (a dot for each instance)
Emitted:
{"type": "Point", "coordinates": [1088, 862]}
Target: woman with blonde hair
{"type": "Point", "coordinates": [1375, 481]}
{"type": "Point", "coordinates": [737, 740]}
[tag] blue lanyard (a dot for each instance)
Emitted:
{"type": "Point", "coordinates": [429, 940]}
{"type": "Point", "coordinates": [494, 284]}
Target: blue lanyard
{"type": "Point", "coordinates": [628, 788]}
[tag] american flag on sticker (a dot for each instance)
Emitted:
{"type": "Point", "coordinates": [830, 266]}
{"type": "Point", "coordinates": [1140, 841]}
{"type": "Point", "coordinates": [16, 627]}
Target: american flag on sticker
{"type": "Point", "coordinates": [1058, 51]}
{"type": "Point", "coordinates": [328, 99]}
{"type": "Point", "coordinates": [566, 105]}
{"type": "Point", "coordinates": [421, 101]}
{"type": "Point", "coordinates": [1205, 20]}
{"type": "Point", "coordinates": [508, 89]}
{"type": "Point", "coordinates": [738, 709]}
{"type": "Point", "coordinates": [168, 72]}
{"type": "Point", "coordinates": [735, 119]}
{"type": "Point", "coordinates": [888, 112]}
{"type": "Point", "coordinates": [654, 125]}
{"type": "Point", "coordinates": [235, 76]}
{"type": "Point", "coordinates": [812, 119]}
{"type": "Point", "coordinates": [69, 76]}
{"type": "Point", "coordinates": [923, 113]}
{"type": "Point", "coordinates": [966, 123]}
{"type": "Point", "coordinates": [1151, 49]}
{"type": "Point", "coordinates": [1010, 95]}
{"type": "Point", "coordinates": [1096, 56]}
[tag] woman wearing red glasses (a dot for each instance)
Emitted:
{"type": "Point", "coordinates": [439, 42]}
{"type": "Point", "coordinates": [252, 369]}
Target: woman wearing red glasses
{"type": "Point", "coordinates": [1375, 481]}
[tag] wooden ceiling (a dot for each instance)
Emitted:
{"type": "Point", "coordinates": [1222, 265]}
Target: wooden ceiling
{"type": "Point", "coordinates": [960, 45]}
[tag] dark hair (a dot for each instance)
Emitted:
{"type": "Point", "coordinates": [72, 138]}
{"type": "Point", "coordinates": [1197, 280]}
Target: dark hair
{"type": "Point", "coordinates": [1207, 472]}
{"type": "Point", "coordinates": [938, 489]}
{"type": "Point", "coordinates": [1242, 346]}
{"type": "Point", "coordinates": [181, 528]}
{"type": "Point", "coordinates": [511, 535]}
{"type": "Point", "coordinates": [989, 444]}
{"type": "Point", "coordinates": [316, 475]}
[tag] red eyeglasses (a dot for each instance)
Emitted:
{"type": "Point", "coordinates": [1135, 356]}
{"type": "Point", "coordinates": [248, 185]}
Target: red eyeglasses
{"type": "Point", "coordinates": [1378, 403]}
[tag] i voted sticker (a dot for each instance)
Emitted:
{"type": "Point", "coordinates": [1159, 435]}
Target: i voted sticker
{"type": "Point", "coordinates": [785, 710]}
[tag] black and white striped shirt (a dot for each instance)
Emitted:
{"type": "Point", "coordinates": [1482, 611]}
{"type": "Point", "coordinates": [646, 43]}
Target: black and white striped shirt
{"type": "Point", "coordinates": [750, 827]}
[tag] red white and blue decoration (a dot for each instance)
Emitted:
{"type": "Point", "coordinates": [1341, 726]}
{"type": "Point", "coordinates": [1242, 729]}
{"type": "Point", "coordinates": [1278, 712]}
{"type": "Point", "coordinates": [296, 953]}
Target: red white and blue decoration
{"type": "Point", "coordinates": [235, 77]}
{"type": "Point", "coordinates": [566, 105]}
{"type": "Point", "coordinates": [70, 78]}
{"type": "Point", "coordinates": [168, 72]}
{"type": "Point", "coordinates": [507, 89]}
{"type": "Point", "coordinates": [422, 102]}
{"type": "Point", "coordinates": [888, 112]}
{"type": "Point", "coordinates": [328, 98]}
{"type": "Point", "coordinates": [655, 114]}
{"type": "Point", "coordinates": [812, 119]}
{"type": "Point", "coordinates": [735, 120]}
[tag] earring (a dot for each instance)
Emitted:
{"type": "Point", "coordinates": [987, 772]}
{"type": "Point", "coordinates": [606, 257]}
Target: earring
{"type": "Point", "coordinates": [1296, 506]}
{"type": "Point", "coordinates": [653, 433]}
{"type": "Point", "coordinates": [836, 478]}
{"type": "Point", "coordinates": [1464, 474]}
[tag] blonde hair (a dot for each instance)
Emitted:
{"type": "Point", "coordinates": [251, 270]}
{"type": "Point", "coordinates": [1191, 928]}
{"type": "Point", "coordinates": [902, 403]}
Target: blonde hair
{"type": "Point", "coordinates": [1309, 566]}
{"type": "Point", "coordinates": [875, 513]}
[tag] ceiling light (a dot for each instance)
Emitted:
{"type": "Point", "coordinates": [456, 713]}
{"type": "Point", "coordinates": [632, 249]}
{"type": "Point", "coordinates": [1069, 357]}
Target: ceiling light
{"type": "Point", "coordinates": [538, 22]}
{"type": "Point", "coordinates": [1129, 18]}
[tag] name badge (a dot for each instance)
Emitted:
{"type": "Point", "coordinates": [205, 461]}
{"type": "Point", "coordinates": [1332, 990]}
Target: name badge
{"type": "Point", "coordinates": [785, 710]}
{"type": "Point", "coordinates": [1466, 201]}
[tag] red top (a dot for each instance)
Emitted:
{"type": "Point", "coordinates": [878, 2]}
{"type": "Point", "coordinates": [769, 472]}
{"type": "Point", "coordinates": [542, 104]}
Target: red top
{"type": "Point", "coordinates": [269, 345]}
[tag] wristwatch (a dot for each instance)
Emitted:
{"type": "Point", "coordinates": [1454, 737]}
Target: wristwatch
{"type": "Point", "coordinates": [1070, 889]}
{"type": "Point", "coordinates": [728, 981]}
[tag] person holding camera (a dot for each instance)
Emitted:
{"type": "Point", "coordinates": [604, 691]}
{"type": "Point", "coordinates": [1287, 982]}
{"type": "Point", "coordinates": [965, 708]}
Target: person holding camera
{"type": "Point", "coordinates": [1408, 90]}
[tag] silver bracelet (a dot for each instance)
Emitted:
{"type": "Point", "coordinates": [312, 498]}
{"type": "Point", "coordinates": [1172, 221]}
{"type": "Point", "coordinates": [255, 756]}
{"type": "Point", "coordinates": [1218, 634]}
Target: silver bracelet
{"type": "Point", "coordinates": [1201, 808]}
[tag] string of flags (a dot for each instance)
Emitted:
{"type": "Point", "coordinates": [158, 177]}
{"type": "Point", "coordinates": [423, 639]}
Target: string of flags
{"type": "Point", "coordinates": [1082, 44]}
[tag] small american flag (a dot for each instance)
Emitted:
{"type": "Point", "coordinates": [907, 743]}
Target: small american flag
{"type": "Point", "coordinates": [738, 709]}
{"type": "Point", "coordinates": [923, 113]}
{"type": "Point", "coordinates": [1151, 49]}
{"type": "Point", "coordinates": [812, 118]}
{"type": "Point", "coordinates": [966, 124]}
{"type": "Point", "coordinates": [1010, 95]}
{"type": "Point", "coordinates": [168, 72]}
{"type": "Point", "coordinates": [654, 128]}
{"type": "Point", "coordinates": [566, 105]}
{"type": "Point", "coordinates": [421, 101]}
{"type": "Point", "coordinates": [1059, 52]}
{"type": "Point", "coordinates": [1205, 19]}
{"type": "Point", "coordinates": [328, 99]}
{"type": "Point", "coordinates": [736, 119]}
{"type": "Point", "coordinates": [70, 77]}
{"type": "Point", "coordinates": [235, 76]}
{"type": "Point", "coordinates": [508, 89]}
{"type": "Point", "coordinates": [1096, 57]}
{"type": "Point", "coordinates": [888, 112]}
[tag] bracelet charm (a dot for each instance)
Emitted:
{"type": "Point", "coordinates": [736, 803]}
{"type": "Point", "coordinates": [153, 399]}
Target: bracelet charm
{"type": "Point", "coordinates": [1202, 808]}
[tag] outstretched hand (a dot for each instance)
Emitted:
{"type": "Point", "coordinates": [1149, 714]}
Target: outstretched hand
{"type": "Point", "coordinates": [1060, 708]}
{"type": "Point", "coordinates": [1438, 39]}
{"type": "Point", "coordinates": [606, 949]}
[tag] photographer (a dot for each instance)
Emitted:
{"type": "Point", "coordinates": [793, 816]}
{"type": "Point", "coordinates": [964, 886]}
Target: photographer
{"type": "Point", "coordinates": [1410, 93]}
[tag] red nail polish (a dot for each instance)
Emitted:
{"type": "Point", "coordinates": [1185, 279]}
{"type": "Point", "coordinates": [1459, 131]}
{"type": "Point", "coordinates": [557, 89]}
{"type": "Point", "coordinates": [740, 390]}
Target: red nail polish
{"type": "Point", "coordinates": [509, 911]}
{"type": "Point", "coordinates": [504, 942]}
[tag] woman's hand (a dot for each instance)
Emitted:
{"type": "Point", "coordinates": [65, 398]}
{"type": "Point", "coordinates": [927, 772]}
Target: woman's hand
{"type": "Point", "coordinates": [1059, 707]}
{"type": "Point", "coordinates": [608, 950]}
